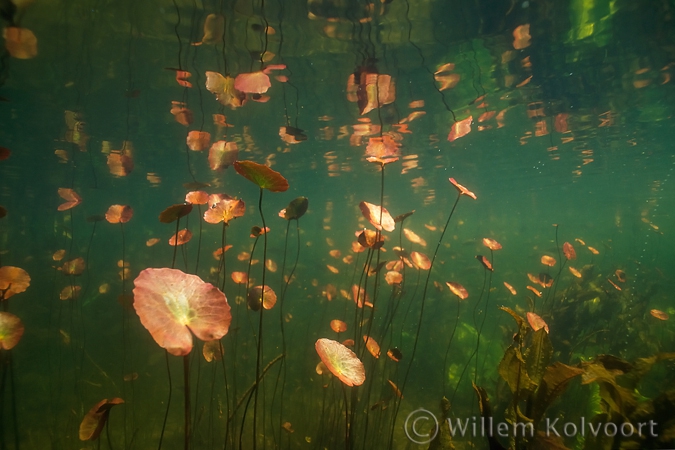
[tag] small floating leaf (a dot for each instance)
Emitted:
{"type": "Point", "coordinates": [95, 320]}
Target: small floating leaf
{"type": "Point", "coordinates": [261, 175]}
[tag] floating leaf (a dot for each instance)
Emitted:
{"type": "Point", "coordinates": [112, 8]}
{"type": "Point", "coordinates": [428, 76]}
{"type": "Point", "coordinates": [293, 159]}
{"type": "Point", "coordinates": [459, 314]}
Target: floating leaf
{"type": "Point", "coordinates": [70, 292]}
{"type": "Point", "coordinates": [252, 83]}
{"type": "Point", "coordinates": [213, 350]}
{"type": "Point", "coordinates": [11, 330]}
{"type": "Point", "coordinates": [420, 260]}
{"type": "Point", "coordinates": [379, 217]}
{"type": "Point", "coordinates": [485, 262]}
{"type": "Point", "coordinates": [119, 214]}
{"type": "Point", "coordinates": [492, 244]}
{"type": "Point", "coordinates": [71, 197]}
{"type": "Point", "coordinates": [620, 275]}
{"type": "Point", "coordinates": [223, 154]}
{"type": "Point", "coordinates": [372, 346]}
{"type": "Point", "coordinates": [13, 280]}
{"type": "Point", "coordinates": [268, 296]}
{"type": "Point", "coordinates": [569, 252]}
{"type": "Point", "coordinates": [341, 361]}
{"type": "Point", "coordinates": [74, 266]}
{"type": "Point", "coordinates": [548, 260]}
{"type": "Point", "coordinates": [261, 175]}
{"type": "Point", "coordinates": [659, 314]}
{"type": "Point", "coordinates": [226, 209]}
{"type": "Point", "coordinates": [338, 326]}
{"type": "Point", "coordinates": [458, 290]}
{"type": "Point", "coordinates": [414, 238]}
{"type": "Point", "coordinates": [198, 140]}
{"type": "Point", "coordinates": [462, 190]}
{"type": "Point", "coordinates": [93, 423]}
{"type": "Point", "coordinates": [171, 303]}
{"type": "Point", "coordinates": [395, 354]}
{"type": "Point", "coordinates": [180, 238]}
{"type": "Point", "coordinates": [197, 197]}
{"type": "Point", "coordinates": [402, 217]}
{"type": "Point", "coordinates": [295, 209]}
{"type": "Point", "coordinates": [511, 289]}
{"type": "Point", "coordinates": [21, 43]}
{"type": "Point", "coordinates": [175, 212]}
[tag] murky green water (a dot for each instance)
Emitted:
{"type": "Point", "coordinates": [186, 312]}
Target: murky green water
{"type": "Point", "coordinates": [557, 116]}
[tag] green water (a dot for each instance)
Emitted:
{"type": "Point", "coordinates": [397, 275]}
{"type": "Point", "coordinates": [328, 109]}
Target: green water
{"type": "Point", "coordinates": [571, 141]}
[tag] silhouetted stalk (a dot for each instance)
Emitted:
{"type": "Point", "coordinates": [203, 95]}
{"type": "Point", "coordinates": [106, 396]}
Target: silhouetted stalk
{"type": "Point", "coordinates": [168, 401]}
{"type": "Point", "coordinates": [186, 377]}
{"type": "Point", "coordinates": [175, 247]}
{"type": "Point", "coordinates": [199, 241]}
{"type": "Point", "coordinates": [260, 322]}
{"type": "Point", "coordinates": [419, 322]}
{"type": "Point", "coordinates": [222, 257]}
{"type": "Point", "coordinates": [447, 351]}
{"type": "Point", "coordinates": [485, 313]}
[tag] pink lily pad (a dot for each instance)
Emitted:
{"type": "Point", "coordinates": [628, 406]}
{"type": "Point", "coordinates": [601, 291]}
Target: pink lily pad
{"type": "Point", "coordinates": [171, 303]}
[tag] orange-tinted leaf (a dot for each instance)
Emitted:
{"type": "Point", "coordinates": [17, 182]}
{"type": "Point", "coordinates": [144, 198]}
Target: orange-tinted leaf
{"type": "Point", "coordinates": [239, 277]}
{"type": "Point", "coordinates": [511, 289]}
{"type": "Point", "coordinates": [120, 163]}
{"type": "Point", "coordinates": [372, 346]}
{"type": "Point", "coordinates": [223, 154]}
{"type": "Point", "coordinates": [93, 423]}
{"type": "Point", "coordinates": [152, 241]}
{"type": "Point", "coordinates": [379, 217]}
{"type": "Point", "coordinates": [213, 350]}
{"type": "Point", "coordinates": [256, 293]}
{"type": "Point", "coordinates": [457, 289]}
{"type": "Point", "coordinates": [224, 210]}
{"type": "Point", "coordinates": [21, 43]}
{"type": "Point", "coordinates": [485, 262]}
{"type": "Point", "coordinates": [620, 275]}
{"type": "Point", "coordinates": [71, 197]}
{"type": "Point", "coordinates": [181, 113]}
{"type": "Point", "coordinates": [383, 149]}
{"type": "Point", "coordinates": [214, 28]}
{"type": "Point", "coordinates": [175, 212]}
{"type": "Point", "coordinates": [368, 238]}
{"type": "Point", "coordinates": [217, 253]}
{"type": "Point", "coordinates": [536, 322]}
{"type": "Point", "coordinates": [393, 277]}
{"type": "Point", "coordinates": [198, 140]}
{"type": "Point", "coordinates": [420, 260]}
{"type": "Point", "coordinates": [548, 260]}
{"type": "Point", "coordinates": [654, 312]}
{"type": "Point", "coordinates": [4, 153]}
{"type": "Point", "coordinates": [569, 252]}
{"type": "Point", "coordinates": [593, 250]}
{"type": "Point", "coordinates": [616, 286]}
{"type": "Point", "coordinates": [492, 244]}
{"type": "Point", "coordinates": [197, 197]}
{"type": "Point", "coordinates": [460, 128]}
{"type": "Point", "coordinates": [534, 291]}
{"type": "Point", "coordinates": [462, 190]}
{"type": "Point", "coordinates": [180, 238]}
{"type": "Point", "coordinates": [395, 354]}
{"type": "Point", "coordinates": [252, 83]}
{"type": "Point", "coordinates": [261, 175]}
{"type": "Point", "coordinates": [11, 330]}
{"type": "Point", "coordinates": [223, 88]}
{"type": "Point", "coordinates": [70, 292]}
{"type": "Point", "coordinates": [257, 231]}
{"type": "Point", "coordinates": [414, 238]}
{"type": "Point", "coordinates": [58, 255]}
{"type": "Point", "coordinates": [341, 361]}
{"type": "Point", "coordinates": [360, 296]}
{"type": "Point", "coordinates": [13, 280]}
{"type": "Point", "coordinates": [338, 326]}
{"type": "Point", "coordinates": [171, 303]}
{"type": "Point", "coordinates": [521, 37]}
{"type": "Point", "coordinates": [575, 272]}
{"type": "Point", "coordinates": [119, 214]}
{"type": "Point", "coordinates": [73, 267]}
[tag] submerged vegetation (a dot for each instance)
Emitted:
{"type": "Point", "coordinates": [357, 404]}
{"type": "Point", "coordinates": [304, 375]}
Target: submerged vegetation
{"type": "Point", "coordinates": [336, 225]}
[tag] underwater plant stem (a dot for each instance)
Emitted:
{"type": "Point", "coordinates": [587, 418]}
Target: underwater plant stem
{"type": "Point", "coordinates": [186, 377]}
{"type": "Point", "coordinates": [253, 386]}
{"type": "Point", "coordinates": [223, 238]}
{"type": "Point", "coordinates": [168, 401]}
{"type": "Point", "coordinates": [175, 247]}
{"type": "Point", "coordinates": [260, 321]}
{"type": "Point", "coordinates": [419, 322]}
